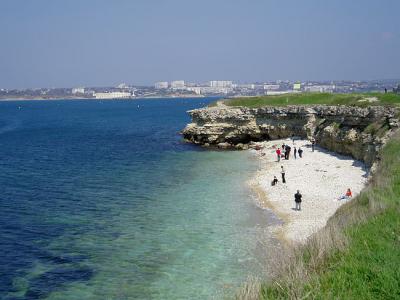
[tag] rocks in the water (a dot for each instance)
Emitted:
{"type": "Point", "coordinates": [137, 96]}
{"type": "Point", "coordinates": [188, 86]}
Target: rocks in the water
{"type": "Point", "coordinates": [224, 145]}
{"type": "Point", "coordinates": [344, 129]}
{"type": "Point", "coordinates": [241, 146]}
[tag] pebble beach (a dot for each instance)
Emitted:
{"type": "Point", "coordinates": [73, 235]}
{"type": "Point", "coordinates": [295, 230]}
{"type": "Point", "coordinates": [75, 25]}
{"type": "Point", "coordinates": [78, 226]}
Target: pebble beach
{"type": "Point", "coordinates": [322, 177]}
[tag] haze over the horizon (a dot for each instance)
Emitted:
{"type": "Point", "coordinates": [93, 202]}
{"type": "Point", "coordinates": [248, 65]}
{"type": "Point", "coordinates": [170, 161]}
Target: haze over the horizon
{"type": "Point", "coordinates": [52, 43]}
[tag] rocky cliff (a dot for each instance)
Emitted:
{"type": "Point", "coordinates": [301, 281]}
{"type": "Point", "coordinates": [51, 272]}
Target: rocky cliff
{"type": "Point", "coordinates": [356, 131]}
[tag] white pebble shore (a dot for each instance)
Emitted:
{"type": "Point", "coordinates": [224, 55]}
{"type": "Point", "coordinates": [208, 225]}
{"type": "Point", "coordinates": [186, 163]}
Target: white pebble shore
{"type": "Point", "coordinates": [322, 178]}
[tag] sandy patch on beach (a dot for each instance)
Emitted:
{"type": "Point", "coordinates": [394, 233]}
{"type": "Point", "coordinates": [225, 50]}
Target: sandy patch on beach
{"type": "Point", "coordinates": [321, 176]}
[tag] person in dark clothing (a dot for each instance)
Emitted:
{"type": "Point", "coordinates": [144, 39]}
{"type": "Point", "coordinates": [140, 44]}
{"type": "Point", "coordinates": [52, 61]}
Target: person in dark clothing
{"type": "Point", "coordinates": [274, 181]}
{"type": "Point", "coordinates": [287, 151]}
{"type": "Point", "coordinates": [283, 174]}
{"type": "Point", "coordinates": [300, 151]}
{"type": "Point", "coordinates": [297, 199]}
{"type": "Point", "coordinates": [295, 153]}
{"type": "Point", "coordinates": [312, 144]}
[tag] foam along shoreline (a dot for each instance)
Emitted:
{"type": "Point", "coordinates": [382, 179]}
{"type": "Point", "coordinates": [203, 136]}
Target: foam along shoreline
{"type": "Point", "coordinates": [321, 176]}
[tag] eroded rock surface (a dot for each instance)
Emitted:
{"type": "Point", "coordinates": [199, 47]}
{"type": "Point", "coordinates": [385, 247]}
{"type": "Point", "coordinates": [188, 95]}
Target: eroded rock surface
{"type": "Point", "coordinates": [356, 131]}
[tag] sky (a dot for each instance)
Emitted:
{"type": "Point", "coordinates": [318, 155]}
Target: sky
{"type": "Point", "coordinates": [67, 43]}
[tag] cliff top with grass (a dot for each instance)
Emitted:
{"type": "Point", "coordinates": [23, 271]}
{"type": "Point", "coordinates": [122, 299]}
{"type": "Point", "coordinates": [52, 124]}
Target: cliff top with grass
{"type": "Point", "coordinates": [359, 99]}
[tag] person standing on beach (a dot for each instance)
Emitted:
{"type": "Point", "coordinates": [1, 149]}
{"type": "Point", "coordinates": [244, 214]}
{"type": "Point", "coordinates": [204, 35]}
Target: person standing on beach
{"type": "Point", "coordinates": [283, 174]}
{"type": "Point", "coordinates": [287, 152]}
{"type": "Point", "coordinates": [295, 153]}
{"type": "Point", "coordinates": [278, 153]}
{"type": "Point", "coordinates": [313, 144]}
{"type": "Point", "coordinates": [297, 199]}
{"type": "Point", "coordinates": [300, 152]}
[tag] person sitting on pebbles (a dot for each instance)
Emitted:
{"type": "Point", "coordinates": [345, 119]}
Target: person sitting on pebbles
{"type": "Point", "coordinates": [348, 195]}
{"type": "Point", "coordinates": [274, 181]}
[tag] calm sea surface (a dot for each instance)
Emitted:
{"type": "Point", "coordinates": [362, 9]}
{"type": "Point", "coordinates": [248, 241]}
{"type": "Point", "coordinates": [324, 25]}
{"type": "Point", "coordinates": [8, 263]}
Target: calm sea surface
{"type": "Point", "coordinates": [102, 200]}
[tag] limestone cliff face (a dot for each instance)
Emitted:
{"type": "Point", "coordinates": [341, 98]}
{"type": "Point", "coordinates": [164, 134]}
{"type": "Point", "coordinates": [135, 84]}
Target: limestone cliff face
{"type": "Point", "coordinates": [359, 132]}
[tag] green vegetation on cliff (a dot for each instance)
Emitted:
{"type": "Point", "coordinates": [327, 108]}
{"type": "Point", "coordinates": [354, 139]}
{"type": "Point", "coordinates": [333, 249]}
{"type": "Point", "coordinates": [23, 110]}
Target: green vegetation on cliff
{"type": "Point", "coordinates": [317, 98]}
{"type": "Point", "coordinates": [356, 256]}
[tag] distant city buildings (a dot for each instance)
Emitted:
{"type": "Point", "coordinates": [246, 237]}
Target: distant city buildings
{"type": "Point", "coordinates": [223, 88]}
{"type": "Point", "coordinates": [215, 90]}
{"type": "Point", "coordinates": [271, 87]}
{"type": "Point", "coordinates": [195, 89]}
{"type": "Point", "coordinates": [78, 90]}
{"type": "Point", "coordinates": [221, 83]}
{"type": "Point", "coordinates": [249, 86]}
{"type": "Point", "coordinates": [178, 84]}
{"type": "Point", "coordinates": [320, 88]}
{"type": "Point", "coordinates": [278, 87]}
{"type": "Point", "coordinates": [297, 86]}
{"type": "Point", "coordinates": [161, 85]}
{"type": "Point", "coordinates": [114, 95]}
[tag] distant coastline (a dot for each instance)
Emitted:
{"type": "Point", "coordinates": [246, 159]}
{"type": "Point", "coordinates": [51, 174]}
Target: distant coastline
{"type": "Point", "coordinates": [87, 98]}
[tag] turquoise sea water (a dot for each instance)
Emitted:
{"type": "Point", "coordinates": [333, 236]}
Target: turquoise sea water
{"type": "Point", "coordinates": [102, 200]}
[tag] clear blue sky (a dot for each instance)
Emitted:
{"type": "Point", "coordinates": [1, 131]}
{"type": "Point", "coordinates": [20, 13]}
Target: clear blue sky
{"type": "Point", "coordinates": [54, 43]}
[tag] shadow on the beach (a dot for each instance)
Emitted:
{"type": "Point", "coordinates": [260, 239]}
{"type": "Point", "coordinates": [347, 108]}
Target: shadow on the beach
{"type": "Point", "coordinates": [355, 163]}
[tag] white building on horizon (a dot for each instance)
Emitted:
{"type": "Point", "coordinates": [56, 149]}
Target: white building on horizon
{"type": "Point", "coordinates": [320, 88]}
{"type": "Point", "coordinates": [271, 87]}
{"type": "Point", "coordinates": [195, 89]}
{"type": "Point", "coordinates": [221, 83]}
{"type": "Point", "coordinates": [161, 85]}
{"type": "Point", "coordinates": [250, 86]}
{"type": "Point", "coordinates": [78, 90]}
{"type": "Point", "coordinates": [178, 84]}
{"type": "Point", "coordinates": [216, 90]}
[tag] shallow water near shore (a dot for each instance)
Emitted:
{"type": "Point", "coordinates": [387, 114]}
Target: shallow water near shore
{"type": "Point", "coordinates": [103, 200]}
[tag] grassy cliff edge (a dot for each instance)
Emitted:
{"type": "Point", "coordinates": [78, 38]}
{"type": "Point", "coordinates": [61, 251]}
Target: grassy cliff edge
{"type": "Point", "coordinates": [359, 99]}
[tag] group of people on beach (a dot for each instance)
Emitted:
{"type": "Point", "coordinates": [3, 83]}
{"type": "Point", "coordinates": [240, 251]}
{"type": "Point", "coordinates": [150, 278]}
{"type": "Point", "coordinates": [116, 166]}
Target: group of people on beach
{"type": "Point", "coordinates": [285, 153]}
{"type": "Point", "coordinates": [275, 180]}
